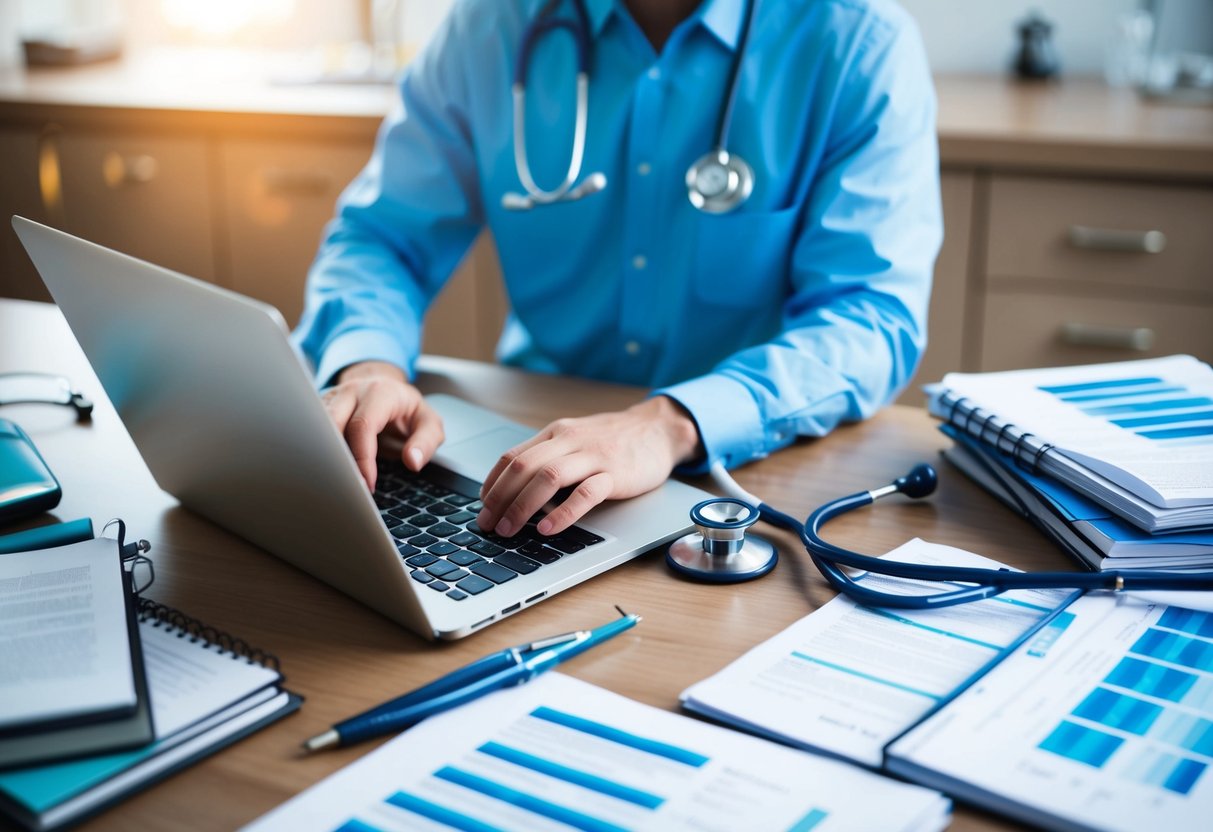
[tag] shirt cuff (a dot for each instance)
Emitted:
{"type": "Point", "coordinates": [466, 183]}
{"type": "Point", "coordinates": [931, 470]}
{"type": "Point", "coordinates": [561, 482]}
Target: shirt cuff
{"type": "Point", "coordinates": [362, 345]}
{"type": "Point", "coordinates": [729, 422]}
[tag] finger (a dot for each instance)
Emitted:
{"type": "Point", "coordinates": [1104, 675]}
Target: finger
{"type": "Point", "coordinates": [509, 484]}
{"type": "Point", "coordinates": [372, 413]}
{"type": "Point", "coordinates": [590, 493]}
{"type": "Point", "coordinates": [340, 404]}
{"type": "Point", "coordinates": [508, 457]}
{"type": "Point", "coordinates": [425, 434]}
{"type": "Point", "coordinates": [548, 479]}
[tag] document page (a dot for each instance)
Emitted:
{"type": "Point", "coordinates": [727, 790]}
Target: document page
{"type": "Point", "coordinates": [1146, 425]}
{"type": "Point", "coordinates": [848, 679]}
{"type": "Point", "coordinates": [1105, 723]}
{"type": "Point", "coordinates": [559, 753]}
{"type": "Point", "coordinates": [65, 645]}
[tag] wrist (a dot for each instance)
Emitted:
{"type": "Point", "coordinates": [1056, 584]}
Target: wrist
{"type": "Point", "coordinates": [364, 370]}
{"type": "Point", "coordinates": [677, 425]}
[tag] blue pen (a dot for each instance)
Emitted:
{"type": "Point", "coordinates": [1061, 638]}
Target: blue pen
{"type": "Point", "coordinates": [512, 666]}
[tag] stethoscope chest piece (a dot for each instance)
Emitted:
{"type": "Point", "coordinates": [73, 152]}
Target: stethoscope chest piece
{"type": "Point", "coordinates": [719, 181]}
{"type": "Point", "coordinates": [719, 551]}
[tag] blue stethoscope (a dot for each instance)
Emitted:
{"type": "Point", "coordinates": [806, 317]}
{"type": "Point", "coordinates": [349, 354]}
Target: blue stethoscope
{"type": "Point", "coordinates": [720, 551]}
{"type": "Point", "coordinates": [716, 183]}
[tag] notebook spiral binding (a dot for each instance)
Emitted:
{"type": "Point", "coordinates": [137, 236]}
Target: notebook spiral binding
{"type": "Point", "coordinates": [195, 630]}
{"type": "Point", "coordinates": [1021, 449]}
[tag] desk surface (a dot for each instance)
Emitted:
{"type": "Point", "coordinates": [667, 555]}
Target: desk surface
{"type": "Point", "coordinates": [343, 658]}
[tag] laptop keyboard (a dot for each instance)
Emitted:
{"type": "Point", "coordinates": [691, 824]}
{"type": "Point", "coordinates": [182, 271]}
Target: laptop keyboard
{"type": "Point", "coordinates": [432, 516]}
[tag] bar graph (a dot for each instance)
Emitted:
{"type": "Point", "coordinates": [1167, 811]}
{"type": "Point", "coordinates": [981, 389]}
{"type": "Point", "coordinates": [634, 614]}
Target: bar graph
{"type": "Point", "coordinates": [1149, 406]}
{"type": "Point", "coordinates": [1150, 719]}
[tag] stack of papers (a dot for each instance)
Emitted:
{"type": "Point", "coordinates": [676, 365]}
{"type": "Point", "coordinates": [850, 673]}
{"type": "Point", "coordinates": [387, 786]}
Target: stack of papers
{"type": "Point", "coordinates": [559, 753]}
{"type": "Point", "coordinates": [1136, 437]}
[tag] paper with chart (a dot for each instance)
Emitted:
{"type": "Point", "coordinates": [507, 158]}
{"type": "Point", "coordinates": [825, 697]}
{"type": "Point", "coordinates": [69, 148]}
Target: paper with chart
{"type": "Point", "coordinates": [558, 753]}
{"type": "Point", "coordinates": [848, 679]}
{"type": "Point", "coordinates": [1146, 425]}
{"type": "Point", "coordinates": [1107, 724]}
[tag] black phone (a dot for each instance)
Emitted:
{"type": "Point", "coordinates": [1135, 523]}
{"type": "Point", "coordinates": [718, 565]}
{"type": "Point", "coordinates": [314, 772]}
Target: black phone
{"type": "Point", "coordinates": [27, 485]}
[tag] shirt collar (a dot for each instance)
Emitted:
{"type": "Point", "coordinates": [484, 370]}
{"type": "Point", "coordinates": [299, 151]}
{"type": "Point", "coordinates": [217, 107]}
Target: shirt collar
{"type": "Point", "coordinates": [723, 18]}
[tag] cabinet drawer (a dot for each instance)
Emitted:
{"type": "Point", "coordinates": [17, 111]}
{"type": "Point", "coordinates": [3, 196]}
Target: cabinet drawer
{"type": "Point", "coordinates": [149, 197]}
{"type": "Point", "coordinates": [278, 197]}
{"type": "Point", "coordinates": [1037, 330]}
{"type": "Point", "coordinates": [1106, 233]}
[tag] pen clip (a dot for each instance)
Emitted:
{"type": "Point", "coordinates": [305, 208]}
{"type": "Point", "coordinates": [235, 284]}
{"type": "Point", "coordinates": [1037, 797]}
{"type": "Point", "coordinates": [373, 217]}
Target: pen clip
{"type": "Point", "coordinates": [554, 641]}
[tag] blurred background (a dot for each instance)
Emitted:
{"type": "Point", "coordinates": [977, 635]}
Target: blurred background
{"type": "Point", "coordinates": [213, 137]}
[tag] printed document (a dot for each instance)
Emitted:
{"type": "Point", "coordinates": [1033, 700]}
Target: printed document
{"type": "Point", "coordinates": [559, 753]}
{"type": "Point", "coordinates": [1103, 722]}
{"type": "Point", "coordinates": [65, 639]}
{"type": "Point", "coordinates": [848, 679]}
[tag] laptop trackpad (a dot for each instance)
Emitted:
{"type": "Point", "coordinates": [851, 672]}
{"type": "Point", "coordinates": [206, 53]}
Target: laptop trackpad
{"type": "Point", "coordinates": [475, 457]}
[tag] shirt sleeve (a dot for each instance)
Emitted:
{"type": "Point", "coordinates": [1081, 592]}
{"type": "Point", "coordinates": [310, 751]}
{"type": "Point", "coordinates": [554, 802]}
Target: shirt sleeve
{"type": "Point", "coordinates": [854, 324]}
{"type": "Point", "coordinates": [401, 226]}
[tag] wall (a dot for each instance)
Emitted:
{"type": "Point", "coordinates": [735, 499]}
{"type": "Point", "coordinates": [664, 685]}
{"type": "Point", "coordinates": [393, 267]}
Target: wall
{"type": "Point", "coordinates": [979, 36]}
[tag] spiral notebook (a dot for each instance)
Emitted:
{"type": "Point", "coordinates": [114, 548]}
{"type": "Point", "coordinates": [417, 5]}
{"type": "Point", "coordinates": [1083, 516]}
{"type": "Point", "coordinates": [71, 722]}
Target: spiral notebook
{"type": "Point", "coordinates": [208, 690]}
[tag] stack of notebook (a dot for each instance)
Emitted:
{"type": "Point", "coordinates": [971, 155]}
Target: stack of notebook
{"type": "Point", "coordinates": [1112, 461]}
{"type": "Point", "coordinates": [138, 705]}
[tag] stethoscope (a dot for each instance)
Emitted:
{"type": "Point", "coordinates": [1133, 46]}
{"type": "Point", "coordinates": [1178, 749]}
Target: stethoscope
{"type": "Point", "coordinates": [717, 182]}
{"type": "Point", "coordinates": [720, 551]}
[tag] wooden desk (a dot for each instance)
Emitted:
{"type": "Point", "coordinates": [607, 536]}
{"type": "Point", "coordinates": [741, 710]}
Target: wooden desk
{"type": "Point", "coordinates": [343, 658]}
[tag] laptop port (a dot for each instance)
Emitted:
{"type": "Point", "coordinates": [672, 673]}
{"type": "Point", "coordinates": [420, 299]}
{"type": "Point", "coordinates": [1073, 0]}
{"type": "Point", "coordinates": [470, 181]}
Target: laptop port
{"type": "Point", "coordinates": [512, 608]}
{"type": "Point", "coordinates": [488, 620]}
{"type": "Point", "coordinates": [535, 598]}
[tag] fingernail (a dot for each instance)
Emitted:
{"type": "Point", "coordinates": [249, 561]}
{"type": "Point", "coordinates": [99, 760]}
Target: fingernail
{"type": "Point", "coordinates": [414, 455]}
{"type": "Point", "coordinates": [505, 528]}
{"type": "Point", "coordinates": [545, 526]}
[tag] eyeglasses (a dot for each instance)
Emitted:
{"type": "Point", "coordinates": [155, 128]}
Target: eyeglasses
{"type": "Point", "coordinates": [43, 388]}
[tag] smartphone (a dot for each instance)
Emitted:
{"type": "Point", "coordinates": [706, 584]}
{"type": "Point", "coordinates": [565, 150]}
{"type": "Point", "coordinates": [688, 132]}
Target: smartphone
{"type": "Point", "coordinates": [27, 485]}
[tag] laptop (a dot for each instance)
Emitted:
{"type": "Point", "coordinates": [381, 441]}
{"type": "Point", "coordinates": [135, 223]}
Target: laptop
{"type": "Point", "coordinates": [226, 416]}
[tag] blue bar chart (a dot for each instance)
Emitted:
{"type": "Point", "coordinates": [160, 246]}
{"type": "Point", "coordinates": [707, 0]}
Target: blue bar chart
{"type": "Point", "coordinates": [1153, 712]}
{"type": "Point", "coordinates": [1149, 406]}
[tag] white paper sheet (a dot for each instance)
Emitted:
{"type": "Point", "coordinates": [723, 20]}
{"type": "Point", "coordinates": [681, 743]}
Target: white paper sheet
{"type": "Point", "coordinates": [848, 679]}
{"type": "Point", "coordinates": [520, 759]}
{"type": "Point", "coordinates": [1105, 724]}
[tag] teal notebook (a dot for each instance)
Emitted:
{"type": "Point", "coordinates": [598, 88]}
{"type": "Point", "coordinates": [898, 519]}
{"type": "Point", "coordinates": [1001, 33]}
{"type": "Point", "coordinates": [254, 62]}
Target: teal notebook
{"type": "Point", "coordinates": [207, 691]}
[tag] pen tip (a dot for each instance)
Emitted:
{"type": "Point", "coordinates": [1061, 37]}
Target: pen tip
{"type": "Point", "coordinates": [319, 742]}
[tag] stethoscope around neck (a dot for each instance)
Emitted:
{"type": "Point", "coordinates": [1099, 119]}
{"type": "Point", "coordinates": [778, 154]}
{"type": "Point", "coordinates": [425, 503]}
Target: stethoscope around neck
{"type": "Point", "coordinates": [720, 551]}
{"type": "Point", "coordinates": [717, 182]}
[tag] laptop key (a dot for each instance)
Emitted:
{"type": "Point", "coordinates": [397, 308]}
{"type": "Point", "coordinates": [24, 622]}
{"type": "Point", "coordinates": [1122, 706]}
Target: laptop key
{"type": "Point", "coordinates": [565, 545]}
{"type": "Point", "coordinates": [442, 568]}
{"type": "Point", "coordinates": [496, 574]}
{"type": "Point", "coordinates": [474, 585]}
{"type": "Point", "coordinates": [455, 577]}
{"type": "Point", "coordinates": [423, 540]}
{"type": "Point", "coordinates": [489, 550]}
{"type": "Point", "coordinates": [405, 550]}
{"type": "Point", "coordinates": [541, 553]}
{"type": "Point", "coordinates": [459, 500]}
{"type": "Point", "coordinates": [443, 530]}
{"type": "Point", "coordinates": [464, 539]}
{"type": "Point", "coordinates": [439, 585]}
{"type": "Point", "coordinates": [580, 535]}
{"type": "Point", "coordinates": [421, 561]}
{"type": "Point", "coordinates": [405, 531]}
{"type": "Point", "coordinates": [442, 509]}
{"type": "Point", "coordinates": [460, 518]}
{"type": "Point", "coordinates": [515, 561]}
{"type": "Point", "coordinates": [456, 595]}
{"type": "Point", "coordinates": [465, 558]}
{"type": "Point", "coordinates": [443, 547]}
{"type": "Point", "coordinates": [423, 520]}
{"type": "Point", "coordinates": [404, 512]}
{"type": "Point", "coordinates": [390, 521]}
{"type": "Point", "coordinates": [423, 577]}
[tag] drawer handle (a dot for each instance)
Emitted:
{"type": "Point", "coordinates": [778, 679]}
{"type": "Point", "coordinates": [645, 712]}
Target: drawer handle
{"type": "Point", "coordinates": [1111, 239]}
{"type": "Point", "coordinates": [138, 169]}
{"type": "Point", "coordinates": [296, 182]}
{"type": "Point", "coordinates": [1135, 338]}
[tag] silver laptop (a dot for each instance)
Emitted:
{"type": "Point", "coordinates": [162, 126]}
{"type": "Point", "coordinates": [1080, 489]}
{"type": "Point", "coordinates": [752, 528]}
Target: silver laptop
{"type": "Point", "coordinates": [226, 416]}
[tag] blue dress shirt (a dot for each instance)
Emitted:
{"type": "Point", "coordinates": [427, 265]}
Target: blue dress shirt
{"type": "Point", "coordinates": [803, 308]}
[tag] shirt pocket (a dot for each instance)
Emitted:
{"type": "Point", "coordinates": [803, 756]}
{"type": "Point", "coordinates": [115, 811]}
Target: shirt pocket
{"type": "Point", "coordinates": [742, 259]}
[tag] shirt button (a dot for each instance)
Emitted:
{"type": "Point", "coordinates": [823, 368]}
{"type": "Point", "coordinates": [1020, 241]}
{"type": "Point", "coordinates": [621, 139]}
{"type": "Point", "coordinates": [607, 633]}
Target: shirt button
{"type": "Point", "coordinates": [632, 348]}
{"type": "Point", "coordinates": [644, 168]}
{"type": "Point", "coordinates": [639, 262]}
{"type": "Point", "coordinates": [654, 74]}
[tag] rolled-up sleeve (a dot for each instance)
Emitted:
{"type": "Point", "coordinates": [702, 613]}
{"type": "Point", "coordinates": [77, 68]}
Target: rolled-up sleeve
{"type": "Point", "coordinates": [401, 226]}
{"type": "Point", "coordinates": [853, 326]}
